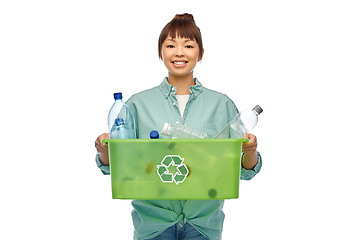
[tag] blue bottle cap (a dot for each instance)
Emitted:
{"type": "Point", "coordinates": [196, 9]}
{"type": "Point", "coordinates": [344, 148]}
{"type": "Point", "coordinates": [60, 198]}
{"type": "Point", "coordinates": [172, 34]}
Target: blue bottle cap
{"type": "Point", "coordinates": [154, 134]}
{"type": "Point", "coordinates": [119, 121]}
{"type": "Point", "coordinates": [117, 95]}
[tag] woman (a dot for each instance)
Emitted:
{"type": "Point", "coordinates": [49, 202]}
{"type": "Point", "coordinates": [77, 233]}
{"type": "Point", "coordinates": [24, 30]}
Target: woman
{"type": "Point", "coordinates": [181, 98]}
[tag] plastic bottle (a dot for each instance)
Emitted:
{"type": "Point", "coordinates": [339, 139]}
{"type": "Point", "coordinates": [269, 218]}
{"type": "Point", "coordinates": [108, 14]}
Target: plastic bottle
{"type": "Point", "coordinates": [119, 132]}
{"type": "Point", "coordinates": [181, 131]}
{"type": "Point", "coordinates": [244, 122]}
{"type": "Point", "coordinates": [121, 121]}
{"type": "Point", "coordinates": [154, 134]}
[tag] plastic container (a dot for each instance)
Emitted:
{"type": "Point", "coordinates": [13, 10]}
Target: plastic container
{"type": "Point", "coordinates": [181, 131]}
{"type": "Point", "coordinates": [244, 122]}
{"type": "Point", "coordinates": [175, 169]}
{"type": "Point", "coordinates": [121, 121]}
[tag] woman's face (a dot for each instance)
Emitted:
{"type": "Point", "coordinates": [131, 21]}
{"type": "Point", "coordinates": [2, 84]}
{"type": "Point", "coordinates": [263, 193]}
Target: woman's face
{"type": "Point", "coordinates": [180, 56]}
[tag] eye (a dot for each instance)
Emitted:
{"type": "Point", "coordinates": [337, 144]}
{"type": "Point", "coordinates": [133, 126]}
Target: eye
{"type": "Point", "coordinates": [170, 46]}
{"type": "Point", "coordinates": [189, 46]}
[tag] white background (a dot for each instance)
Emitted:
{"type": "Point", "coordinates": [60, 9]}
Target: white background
{"type": "Point", "coordinates": [61, 61]}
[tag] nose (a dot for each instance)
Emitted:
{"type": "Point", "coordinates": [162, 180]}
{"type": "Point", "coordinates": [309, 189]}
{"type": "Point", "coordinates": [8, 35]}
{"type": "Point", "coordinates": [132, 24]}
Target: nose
{"type": "Point", "coordinates": [179, 52]}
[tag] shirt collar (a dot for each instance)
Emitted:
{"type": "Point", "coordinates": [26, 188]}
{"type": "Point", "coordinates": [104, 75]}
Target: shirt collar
{"type": "Point", "coordinates": [167, 89]}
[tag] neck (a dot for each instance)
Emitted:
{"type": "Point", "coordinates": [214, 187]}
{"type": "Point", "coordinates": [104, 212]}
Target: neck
{"type": "Point", "coordinates": [182, 84]}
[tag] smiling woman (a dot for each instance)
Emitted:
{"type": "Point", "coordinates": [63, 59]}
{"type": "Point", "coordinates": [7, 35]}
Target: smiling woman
{"type": "Point", "coordinates": [181, 98]}
{"type": "Point", "coordinates": [180, 47]}
{"type": "Point", "coordinates": [182, 26]}
{"type": "Point", "coordinates": [180, 56]}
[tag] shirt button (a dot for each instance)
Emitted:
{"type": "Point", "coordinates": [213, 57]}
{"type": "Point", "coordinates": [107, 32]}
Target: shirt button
{"type": "Point", "coordinates": [195, 94]}
{"type": "Point", "coordinates": [166, 94]}
{"type": "Point", "coordinates": [173, 89]}
{"type": "Point", "coordinates": [174, 103]}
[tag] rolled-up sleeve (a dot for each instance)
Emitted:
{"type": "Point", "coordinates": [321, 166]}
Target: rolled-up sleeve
{"type": "Point", "coordinates": [104, 169]}
{"type": "Point", "coordinates": [248, 174]}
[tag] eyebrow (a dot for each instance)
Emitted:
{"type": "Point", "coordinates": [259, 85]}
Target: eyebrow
{"type": "Point", "coordinates": [172, 40]}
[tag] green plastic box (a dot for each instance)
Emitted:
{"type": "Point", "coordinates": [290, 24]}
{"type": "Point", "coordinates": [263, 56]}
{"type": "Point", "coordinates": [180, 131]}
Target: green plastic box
{"type": "Point", "coordinates": [175, 168]}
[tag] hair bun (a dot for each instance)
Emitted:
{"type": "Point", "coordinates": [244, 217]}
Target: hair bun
{"type": "Point", "coordinates": [184, 16]}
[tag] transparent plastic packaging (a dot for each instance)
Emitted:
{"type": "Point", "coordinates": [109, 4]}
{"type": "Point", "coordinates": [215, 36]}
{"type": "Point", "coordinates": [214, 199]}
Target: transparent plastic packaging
{"type": "Point", "coordinates": [181, 131]}
{"type": "Point", "coordinates": [244, 122]}
{"type": "Point", "coordinates": [121, 121]}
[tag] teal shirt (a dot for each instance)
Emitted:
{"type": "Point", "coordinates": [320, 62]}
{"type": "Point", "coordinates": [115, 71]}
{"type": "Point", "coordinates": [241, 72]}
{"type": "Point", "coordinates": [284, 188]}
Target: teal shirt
{"type": "Point", "coordinates": [207, 111]}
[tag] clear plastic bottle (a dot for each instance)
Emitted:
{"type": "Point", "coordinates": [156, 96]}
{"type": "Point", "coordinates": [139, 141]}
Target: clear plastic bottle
{"type": "Point", "coordinates": [119, 131]}
{"type": "Point", "coordinates": [121, 121]}
{"type": "Point", "coordinates": [244, 122]}
{"type": "Point", "coordinates": [181, 131]}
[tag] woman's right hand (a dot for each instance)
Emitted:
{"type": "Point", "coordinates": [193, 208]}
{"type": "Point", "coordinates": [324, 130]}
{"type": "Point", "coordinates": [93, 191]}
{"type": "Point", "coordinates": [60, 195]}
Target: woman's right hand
{"type": "Point", "coordinates": [102, 148]}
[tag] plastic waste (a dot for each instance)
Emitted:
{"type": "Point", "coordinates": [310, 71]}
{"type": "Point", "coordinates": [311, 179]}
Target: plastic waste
{"type": "Point", "coordinates": [181, 131]}
{"type": "Point", "coordinates": [244, 122]}
{"type": "Point", "coordinates": [121, 121]}
{"type": "Point", "coordinates": [212, 193]}
{"type": "Point", "coordinates": [119, 131]}
{"type": "Point", "coordinates": [154, 134]}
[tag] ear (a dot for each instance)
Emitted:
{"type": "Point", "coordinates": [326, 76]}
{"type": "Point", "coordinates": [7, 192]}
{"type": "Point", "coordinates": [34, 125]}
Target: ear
{"type": "Point", "coordinates": [201, 56]}
{"type": "Point", "coordinates": [161, 56]}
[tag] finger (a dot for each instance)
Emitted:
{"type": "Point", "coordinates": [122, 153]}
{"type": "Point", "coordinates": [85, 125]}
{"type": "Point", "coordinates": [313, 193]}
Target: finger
{"type": "Point", "coordinates": [99, 145]}
{"type": "Point", "coordinates": [252, 138]}
{"type": "Point", "coordinates": [251, 143]}
{"type": "Point", "coordinates": [252, 151]}
{"type": "Point", "coordinates": [102, 137]}
{"type": "Point", "coordinates": [251, 146]}
{"type": "Point", "coordinates": [102, 145]}
{"type": "Point", "coordinates": [249, 150]}
{"type": "Point", "coordinates": [102, 150]}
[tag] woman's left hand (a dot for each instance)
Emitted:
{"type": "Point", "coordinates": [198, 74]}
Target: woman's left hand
{"type": "Point", "coordinates": [250, 157]}
{"type": "Point", "coordinates": [250, 147]}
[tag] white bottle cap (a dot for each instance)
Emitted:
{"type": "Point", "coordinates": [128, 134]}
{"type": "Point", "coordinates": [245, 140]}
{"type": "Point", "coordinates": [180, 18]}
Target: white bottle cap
{"type": "Point", "coordinates": [166, 129]}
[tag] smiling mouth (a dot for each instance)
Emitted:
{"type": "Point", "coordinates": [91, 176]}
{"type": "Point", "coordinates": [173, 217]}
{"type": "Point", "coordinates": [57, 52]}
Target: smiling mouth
{"type": "Point", "coordinates": [179, 63]}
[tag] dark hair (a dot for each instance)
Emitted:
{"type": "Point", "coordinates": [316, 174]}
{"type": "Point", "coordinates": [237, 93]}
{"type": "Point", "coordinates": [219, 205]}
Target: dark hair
{"type": "Point", "coordinates": [183, 26]}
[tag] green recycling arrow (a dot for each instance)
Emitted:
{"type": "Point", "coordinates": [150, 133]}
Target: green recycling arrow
{"type": "Point", "coordinates": [166, 176]}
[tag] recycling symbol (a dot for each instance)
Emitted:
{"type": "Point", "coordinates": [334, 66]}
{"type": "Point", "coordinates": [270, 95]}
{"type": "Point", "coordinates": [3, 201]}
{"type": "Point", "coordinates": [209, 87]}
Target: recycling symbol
{"type": "Point", "coordinates": [168, 177]}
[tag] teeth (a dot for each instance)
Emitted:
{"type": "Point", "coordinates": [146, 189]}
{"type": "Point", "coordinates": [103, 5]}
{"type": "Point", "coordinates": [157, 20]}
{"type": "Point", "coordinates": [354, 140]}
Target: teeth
{"type": "Point", "coordinates": [179, 63]}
